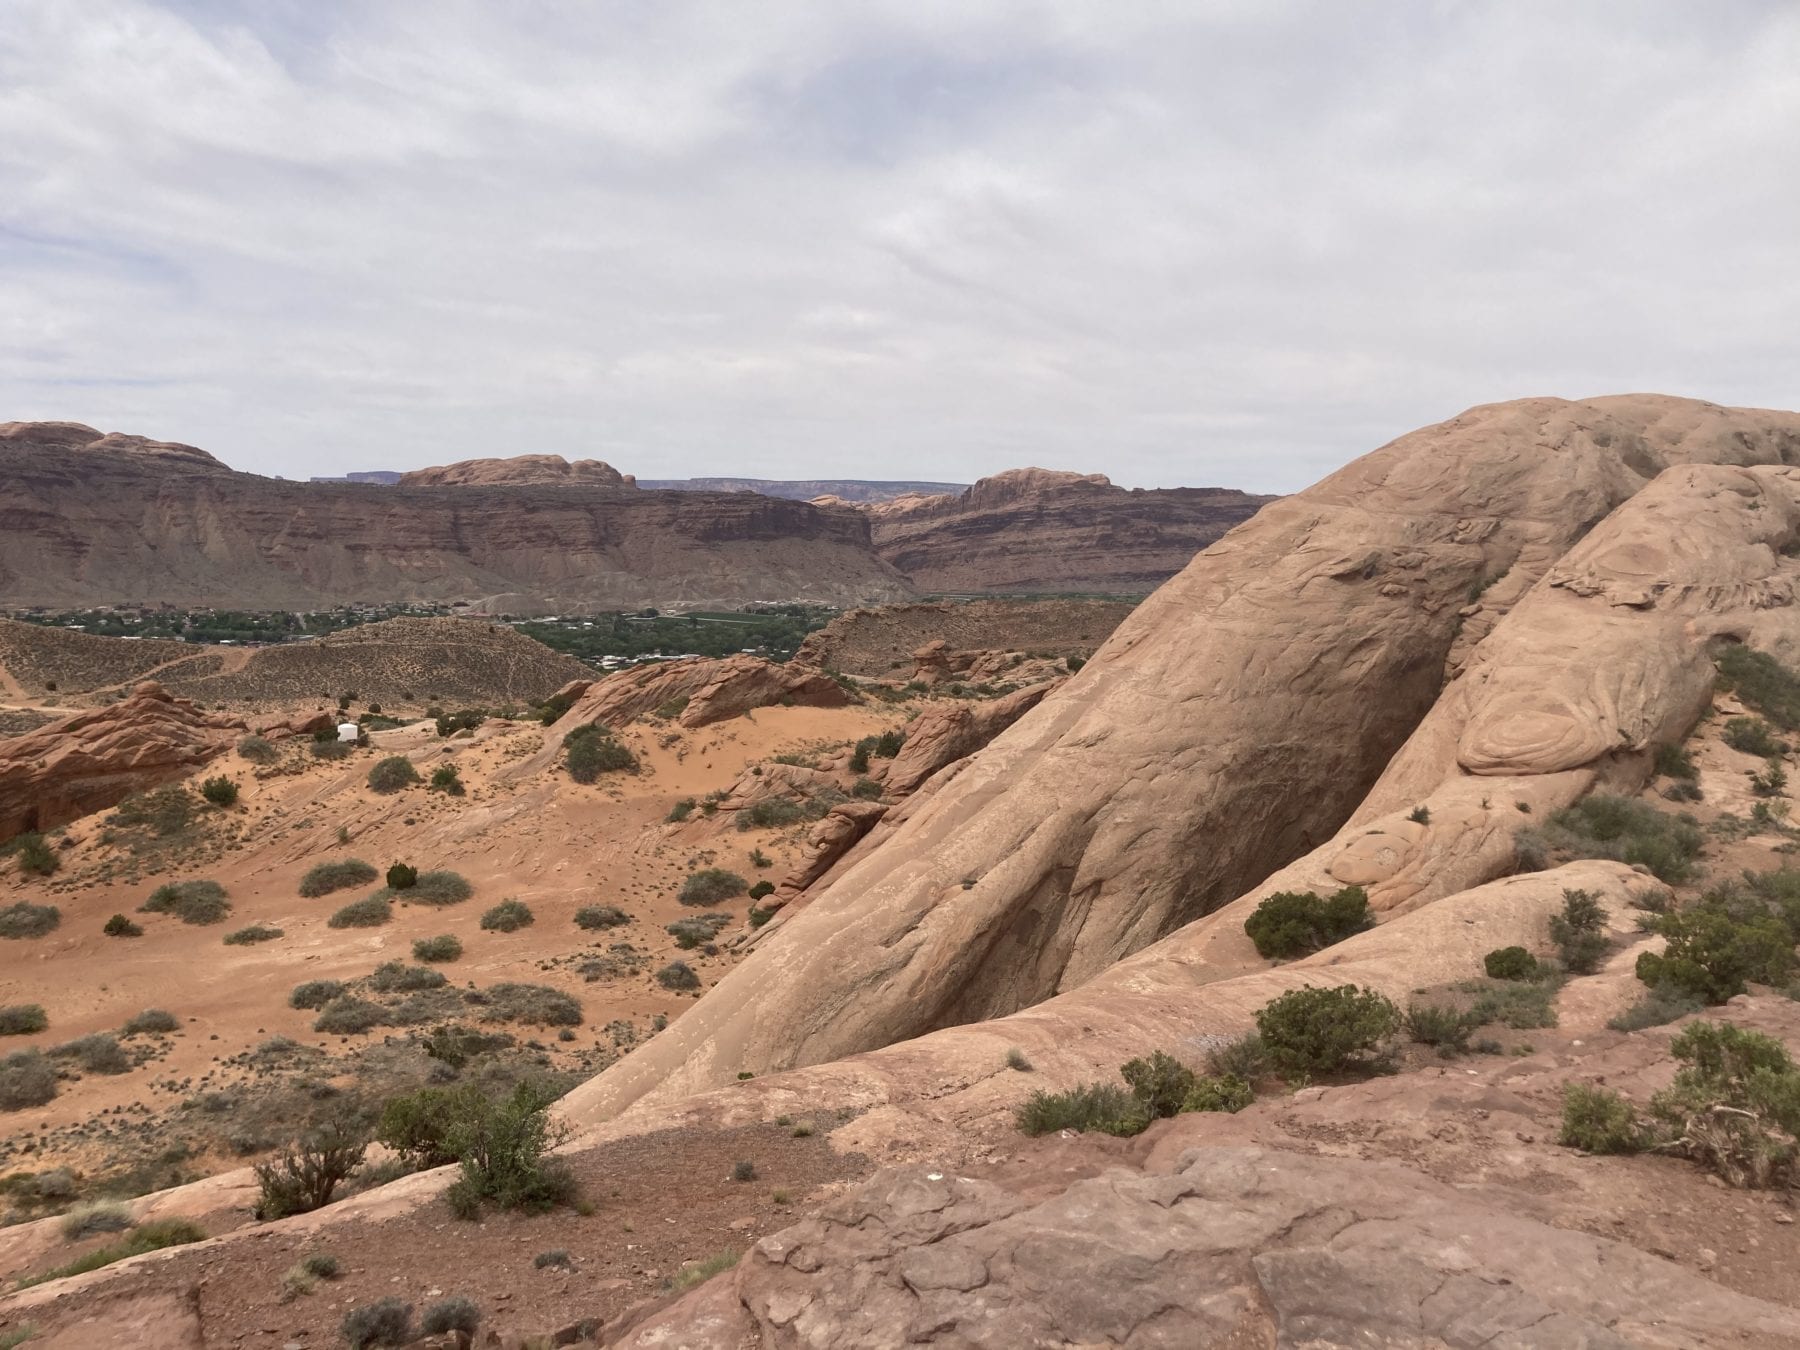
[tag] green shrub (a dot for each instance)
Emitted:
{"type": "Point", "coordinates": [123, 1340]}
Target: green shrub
{"type": "Point", "coordinates": [1246, 1057]}
{"type": "Point", "coordinates": [386, 1322]}
{"type": "Point", "coordinates": [23, 919]}
{"type": "Point", "coordinates": [27, 1078]}
{"type": "Point", "coordinates": [120, 926]}
{"type": "Point", "coordinates": [1098, 1107]}
{"type": "Point", "coordinates": [447, 780]}
{"type": "Point", "coordinates": [1579, 932]}
{"type": "Point", "coordinates": [593, 917]}
{"type": "Point", "coordinates": [1510, 963]}
{"type": "Point", "coordinates": [197, 902]}
{"type": "Point", "coordinates": [1771, 782]}
{"type": "Point", "coordinates": [1620, 828]}
{"type": "Point", "coordinates": [1672, 761]}
{"type": "Point", "coordinates": [436, 888]}
{"type": "Point", "coordinates": [760, 859]}
{"type": "Point", "coordinates": [370, 912]}
{"type": "Point", "coordinates": [1656, 1008]}
{"type": "Point", "coordinates": [392, 773]}
{"type": "Point", "coordinates": [335, 876]}
{"type": "Point", "coordinates": [678, 975]}
{"type": "Point", "coordinates": [257, 750]}
{"type": "Point", "coordinates": [762, 888]}
{"type": "Point", "coordinates": [865, 790]}
{"type": "Point", "coordinates": [503, 1147]}
{"type": "Point", "coordinates": [396, 977]}
{"type": "Point", "coordinates": [556, 1258]}
{"type": "Point", "coordinates": [448, 724]}
{"type": "Point", "coordinates": [416, 1125]}
{"type": "Point", "coordinates": [1313, 1031]}
{"type": "Point", "coordinates": [680, 811]}
{"type": "Point", "coordinates": [151, 1021]}
{"type": "Point", "coordinates": [35, 857]}
{"type": "Point", "coordinates": [331, 749]}
{"type": "Point", "coordinates": [314, 994]}
{"type": "Point", "coordinates": [456, 1313]}
{"type": "Point", "coordinates": [98, 1053]}
{"type": "Point", "coordinates": [711, 886]}
{"type": "Point", "coordinates": [163, 812]}
{"type": "Point", "coordinates": [1447, 1029]}
{"type": "Point", "coordinates": [592, 750]}
{"type": "Point", "coordinates": [770, 813]}
{"type": "Point", "coordinates": [1595, 1120]}
{"type": "Point", "coordinates": [220, 791]}
{"type": "Point", "coordinates": [1684, 790]}
{"type": "Point", "coordinates": [509, 916]}
{"type": "Point", "coordinates": [401, 877]}
{"type": "Point", "coordinates": [1734, 1106]}
{"type": "Point", "coordinates": [1295, 923]}
{"type": "Point", "coordinates": [532, 1005]}
{"type": "Point", "coordinates": [23, 1019]}
{"type": "Point", "coordinates": [1763, 683]}
{"type": "Point", "coordinates": [1523, 1005]}
{"type": "Point", "coordinates": [347, 1015]}
{"type": "Point", "coordinates": [256, 932]}
{"type": "Point", "coordinates": [701, 928]}
{"type": "Point", "coordinates": [321, 1266]}
{"type": "Point", "coordinates": [445, 947]}
{"type": "Point", "coordinates": [1751, 735]}
{"type": "Point", "coordinates": [1709, 953]}
{"type": "Point", "coordinates": [1161, 1083]}
{"type": "Point", "coordinates": [1223, 1092]}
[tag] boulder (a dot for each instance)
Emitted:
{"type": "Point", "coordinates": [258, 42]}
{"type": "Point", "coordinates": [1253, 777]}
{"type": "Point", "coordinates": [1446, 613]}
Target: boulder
{"type": "Point", "coordinates": [947, 732]}
{"type": "Point", "coordinates": [95, 759]}
{"type": "Point", "coordinates": [829, 841]}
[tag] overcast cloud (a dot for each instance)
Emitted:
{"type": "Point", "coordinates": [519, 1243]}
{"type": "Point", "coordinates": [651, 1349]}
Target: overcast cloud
{"type": "Point", "coordinates": [1179, 243]}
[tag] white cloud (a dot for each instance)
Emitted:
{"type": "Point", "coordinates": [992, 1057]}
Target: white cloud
{"type": "Point", "coordinates": [1230, 243]}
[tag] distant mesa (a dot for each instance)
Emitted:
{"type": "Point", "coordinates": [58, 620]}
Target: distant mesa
{"type": "Point", "coordinates": [819, 491]}
{"type": "Point", "coordinates": [518, 469]}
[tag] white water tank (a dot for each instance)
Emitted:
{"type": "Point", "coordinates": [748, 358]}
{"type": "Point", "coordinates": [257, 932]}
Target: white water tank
{"type": "Point", "coordinates": [348, 731]}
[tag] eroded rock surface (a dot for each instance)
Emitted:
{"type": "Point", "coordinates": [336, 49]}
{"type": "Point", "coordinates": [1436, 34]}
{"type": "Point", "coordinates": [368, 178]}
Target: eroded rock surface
{"type": "Point", "coordinates": [93, 760]}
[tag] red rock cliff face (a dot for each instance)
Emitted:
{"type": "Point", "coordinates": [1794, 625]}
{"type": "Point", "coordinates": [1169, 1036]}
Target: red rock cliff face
{"type": "Point", "coordinates": [88, 519]}
{"type": "Point", "coordinates": [1040, 530]}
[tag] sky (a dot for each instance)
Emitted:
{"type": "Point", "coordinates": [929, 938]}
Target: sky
{"type": "Point", "coordinates": [1206, 242]}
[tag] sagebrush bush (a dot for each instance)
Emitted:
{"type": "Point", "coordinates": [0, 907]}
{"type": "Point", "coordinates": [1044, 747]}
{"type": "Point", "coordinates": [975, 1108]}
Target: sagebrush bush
{"type": "Point", "coordinates": [1244, 1057]}
{"type": "Point", "coordinates": [1446, 1029]}
{"type": "Point", "coordinates": [370, 912]}
{"type": "Point", "coordinates": [314, 994]}
{"type": "Point", "coordinates": [1579, 932]}
{"type": "Point", "coordinates": [98, 1053]}
{"type": "Point", "coordinates": [23, 1019]}
{"type": "Point", "coordinates": [1672, 761]}
{"type": "Point", "coordinates": [1314, 1030]}
{"type": "Point", "coordinates": [151, 1021]}
{"type": "Point", "coordinates": [769, 814]}
{"type": "Point", "coordinates": [1219, 1092]}
{"type": "Point", "coordinates": [436, 888]}
{"type": "Point", "coordinates": [447, 780]}
{"type": "Point", "coordinates": [256, 932]}
{"type": "Point", "coordinates": [693, 932]}
{"type": "Point", "coordinates": [1596, 1120]}
{"type": "Point", "coordinates": [1656, 1008]}
{"type": "Point", "coordinates": [27, 1078]}
{"type": "Point", "coordinates": [509, 916]}
{"type": "Point", "coordinates": [196, 902]}
{"type": "Point", "coordinates": [531, 1005]}
{"type": "Point", "coordinates": [1751, 735]}
{"type": "Point", "coordinates": [711, 886]}
{"type": "Point", "coordinates": [456, 1313]}
{"type": "Point", "coordinates": [386, 1322]}
{"type": "Point", "coordinates": [392, 774]}
{"type": "Point", "coordinates": [35, 856]}
{"type": "Point", "coordinates": [347, 1015]}
{"type": "Point", "coordinates": [681, 811]}
{"type": "Point", "coordinates": [22, 920]}
{"type": "Point", "coordinates": [162, 812]}
{"type": "Point", "coordinates": [1510, 963]}
{"type": "Point", "coordinates": [445, 947]}
{"type": "Point", "coordinates": [95, 1216]}
{"type": "Point", "coordinates": [1763, 683]}
{"type": "Point", "coordinates": [331, 749]}
{"type": "Point", "coordinates": [592, 917]}
{"type": "Point", "coordinates": [678, 975]}
{"type": "Point", "coordinates": [337, 875]}
{"type": "Point", "coordinates": [1100, 1108]}
{"type": "Point", "coordinates": [120, 926]}
{"type": "Point", "coordinates": [1619, 828]}
{"type": "Point", "coordinates": [1296, 923]}
{"type": "Point", "coordinates": [220, 791]}
{"type": "Point", "coordinates": [592, 750]}
{"type": "Point", "coordinates": [396, 977]}
{"type": "Point", "coordinates": [257, 750]}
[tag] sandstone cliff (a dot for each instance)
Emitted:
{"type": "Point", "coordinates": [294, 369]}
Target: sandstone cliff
{"type": "Point", "coordinates": [87, 519]}
{"type": "Point", "coordinates": [1236, 720]}
{"type": "Point", "coordinates": [515, 470]}
{"type": "Point", "coordinates": [1039, 530]}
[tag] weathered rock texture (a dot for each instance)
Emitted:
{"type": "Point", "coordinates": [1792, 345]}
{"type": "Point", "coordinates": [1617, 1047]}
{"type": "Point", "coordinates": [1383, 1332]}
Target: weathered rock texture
{"type": "Point", "coordinates": [96, 759]}
{"type": "Point", "coordinates": [518, 469]}
{"type": "Point", "coordinates": [1239, 717]}
{"type": "Point", "coordinates": [1040, 530]}
{"type": "Point", "coordinates": [836, 490]}
{"type": "Point", "coordinates": [1222, 1247]}
{"type": "Point", "coordinates": [879, 643]}
{"type": "Point", "coordinates": [947, 732]}
{"type": "Point", "coordinates": [86, 519]}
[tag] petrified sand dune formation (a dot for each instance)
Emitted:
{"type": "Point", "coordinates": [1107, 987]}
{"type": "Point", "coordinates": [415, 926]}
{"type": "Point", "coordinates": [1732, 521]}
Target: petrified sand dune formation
{"type": "Point", "coordinates": [1159, 785]}
{"type": "Point", "coordinates": [518, 469]}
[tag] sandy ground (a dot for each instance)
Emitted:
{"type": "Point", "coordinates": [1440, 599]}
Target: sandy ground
{"type": "Point", "coordinates": [549, 842]}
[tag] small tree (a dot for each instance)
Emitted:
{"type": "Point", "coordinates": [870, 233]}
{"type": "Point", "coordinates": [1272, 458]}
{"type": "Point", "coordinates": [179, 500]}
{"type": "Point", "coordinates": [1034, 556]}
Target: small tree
{"type": "Point", "coordinates": [304, 1176]}
{"type": "Point", "coordinates": [1579, 932]}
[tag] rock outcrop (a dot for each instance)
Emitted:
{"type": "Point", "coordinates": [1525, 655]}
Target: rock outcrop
{"type": "Point", "coordinates": [518, 469]}
{"type": "Point", "coordinates": [826, 844]}
{"type": "Point", "coordinates": [91, 519]}
{"type": "Point", "coordinates": [93, 760]}
{"type": "Point", "coordinates": [1236, 721]}
{"type": "Point", "coordinates": [879, 643]}
{"type": "Point", "coordinates": [947, 732]}
{"type": "Point", "coordinates": [1040, 530]}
